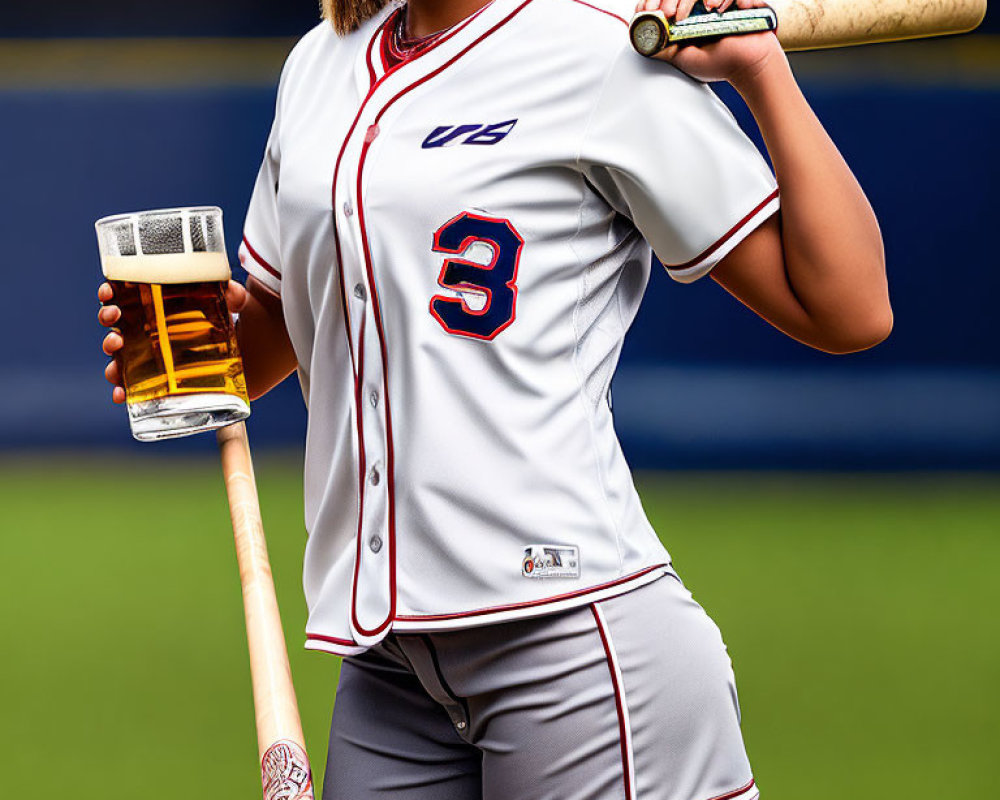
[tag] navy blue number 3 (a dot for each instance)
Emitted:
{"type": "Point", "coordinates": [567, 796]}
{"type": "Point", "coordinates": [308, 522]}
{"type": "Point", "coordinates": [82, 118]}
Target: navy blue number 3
{"type": "Point", "coordinates": [496, 281]}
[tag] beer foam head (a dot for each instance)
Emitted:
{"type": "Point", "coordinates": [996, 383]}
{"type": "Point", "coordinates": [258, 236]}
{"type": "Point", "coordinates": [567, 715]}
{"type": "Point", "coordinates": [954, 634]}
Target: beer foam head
{"type": "Point", "coordinates": [167, 268]}
{"type": "Point", "coordinates": [174, 245]}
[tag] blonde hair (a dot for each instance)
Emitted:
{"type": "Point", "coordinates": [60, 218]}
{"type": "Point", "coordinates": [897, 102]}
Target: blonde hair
{"type": "Point", "coordinates": [347, 15]}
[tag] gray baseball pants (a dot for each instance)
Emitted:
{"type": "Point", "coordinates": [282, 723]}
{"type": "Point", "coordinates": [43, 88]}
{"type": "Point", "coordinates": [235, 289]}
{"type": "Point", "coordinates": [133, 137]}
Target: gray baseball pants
{"type": "Point", "coordinates": [631, 698]}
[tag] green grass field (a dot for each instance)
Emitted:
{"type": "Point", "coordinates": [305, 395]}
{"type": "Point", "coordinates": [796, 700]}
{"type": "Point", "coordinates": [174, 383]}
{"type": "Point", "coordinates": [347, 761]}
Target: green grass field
{"type": "Point", "coordinates": [860, 612]}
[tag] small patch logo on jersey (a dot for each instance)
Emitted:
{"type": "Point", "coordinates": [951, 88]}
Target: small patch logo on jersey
{"type": "Point", "coordinates": [448, 135]}
{"type": "Point", "coordinates": [551, 561]}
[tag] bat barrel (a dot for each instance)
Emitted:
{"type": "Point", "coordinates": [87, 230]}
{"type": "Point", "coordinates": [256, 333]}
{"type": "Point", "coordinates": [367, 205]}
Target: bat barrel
{"type": "Point", "coordinates": [817, 24]}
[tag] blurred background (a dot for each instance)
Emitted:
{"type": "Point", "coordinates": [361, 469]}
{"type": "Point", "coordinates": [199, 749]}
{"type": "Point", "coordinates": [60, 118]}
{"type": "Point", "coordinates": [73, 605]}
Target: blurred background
{"type": "Point", "coordinates": [839, 516]}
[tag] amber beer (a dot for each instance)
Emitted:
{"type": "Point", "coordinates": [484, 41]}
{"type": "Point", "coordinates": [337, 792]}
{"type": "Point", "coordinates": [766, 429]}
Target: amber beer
{"type": "Point", "coordinates": [180, 363]}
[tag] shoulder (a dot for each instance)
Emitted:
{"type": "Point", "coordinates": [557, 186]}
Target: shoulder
{"type": "Point", "coordinates": [591, 28]}
{"type": "Point", "coordinates": [611, 15]}
{"type": "Point", "coordinates": [321, 38]}
{"type": "Point", "coordinates": [595, 35]}
{"type": "Point", "coordinates": [303, 58]}
{"type": "Point", "coordinates": [592, 33]}
{"type": "Point", "coordinates": [322, 43]}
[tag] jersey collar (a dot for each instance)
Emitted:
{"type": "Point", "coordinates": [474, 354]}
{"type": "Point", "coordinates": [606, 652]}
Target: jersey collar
{"type": "Point", "coordinates": [436, 56]}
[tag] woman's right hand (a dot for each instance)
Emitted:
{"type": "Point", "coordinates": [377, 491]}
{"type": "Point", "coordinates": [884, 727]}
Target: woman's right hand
{"type": "Point", "coordinates": [108, 316]}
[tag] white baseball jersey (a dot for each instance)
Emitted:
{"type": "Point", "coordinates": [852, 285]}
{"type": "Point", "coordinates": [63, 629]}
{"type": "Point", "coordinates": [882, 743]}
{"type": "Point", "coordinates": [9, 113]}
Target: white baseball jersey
{"type": "Point", "coordinates": [460, 244]}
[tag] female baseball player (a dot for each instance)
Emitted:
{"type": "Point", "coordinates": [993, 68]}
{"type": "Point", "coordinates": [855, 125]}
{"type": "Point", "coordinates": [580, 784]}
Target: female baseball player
{"type": "Point", "coordinates": [449, 236]}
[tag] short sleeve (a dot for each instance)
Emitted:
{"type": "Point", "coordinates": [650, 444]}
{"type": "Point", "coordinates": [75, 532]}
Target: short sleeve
{"type": "Point", "coordinates": [663, 150]}
{"type": "Point", "coordinates": [260, 254]}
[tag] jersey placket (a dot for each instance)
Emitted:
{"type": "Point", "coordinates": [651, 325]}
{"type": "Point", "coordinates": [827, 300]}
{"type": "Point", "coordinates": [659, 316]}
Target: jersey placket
{"type": "Point", "coordinates": [373, 594]}
{"type": "Point", "coordinates": [373, 605]}
{"type": "Point", "coordinates": [373, 601]}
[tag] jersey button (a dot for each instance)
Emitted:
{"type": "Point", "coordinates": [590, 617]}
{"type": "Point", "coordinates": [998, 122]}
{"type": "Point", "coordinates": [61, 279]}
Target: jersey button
{"type": "Point", "coordinates": [373, 398]}
{"type": "Point", "coordinates": [348, 209]}
{"type": "Point", "coordinates": [375, 476]}
{"type": "Point", "coordinates": [372, 134]}
{"type": "Point", "coordinates": [375, 544]}
{"type": "Point", "coordinates": [359, 291]}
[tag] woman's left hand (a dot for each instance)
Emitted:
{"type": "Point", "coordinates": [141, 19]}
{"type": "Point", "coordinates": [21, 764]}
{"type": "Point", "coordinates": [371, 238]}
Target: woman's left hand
{"type": "Point", "coordinates": [736, 59]}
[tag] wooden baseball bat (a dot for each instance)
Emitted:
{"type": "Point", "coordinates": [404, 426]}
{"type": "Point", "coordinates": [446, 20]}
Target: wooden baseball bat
{"type": "Point", "coordinates": [818, 24]}
{"type": "Point", "coordinates": [285, 770]}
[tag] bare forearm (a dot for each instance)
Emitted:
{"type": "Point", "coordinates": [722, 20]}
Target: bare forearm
{"type": "Point", "coordinates": [831, 242]}
{"type": "Point", "coordinates": [268, 357]}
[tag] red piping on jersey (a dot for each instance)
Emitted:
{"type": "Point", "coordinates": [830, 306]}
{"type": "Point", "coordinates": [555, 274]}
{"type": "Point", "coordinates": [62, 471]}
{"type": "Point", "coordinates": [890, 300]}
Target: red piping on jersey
{"type": "Point", "coordinates": [257, 257]}
{"type": "Point", "coordinates": [603, 11]}
{"type": "Point", "coordinates": [386, 66]}
{"type": "Point", "coordinates": [725, 238]}
{"type": "Point", "coordinates": [619, 705]}
{"type": "Point", "coordinates": [738, 792]}
{"type": "Point", "coordinates": [315, 637]}
{"type": "Point", "coordinates": [479, 612]}
{"type": "Point", "coordinates": [390, 465]}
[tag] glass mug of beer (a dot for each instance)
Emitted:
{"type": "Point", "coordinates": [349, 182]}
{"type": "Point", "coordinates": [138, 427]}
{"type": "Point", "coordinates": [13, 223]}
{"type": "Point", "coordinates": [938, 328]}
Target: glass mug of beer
{"type": "Point", "coordinates": [180, 363]}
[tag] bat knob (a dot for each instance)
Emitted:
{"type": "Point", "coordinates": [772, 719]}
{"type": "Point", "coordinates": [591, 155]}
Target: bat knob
{"type": "Point", "coordinates": [648, 32]}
